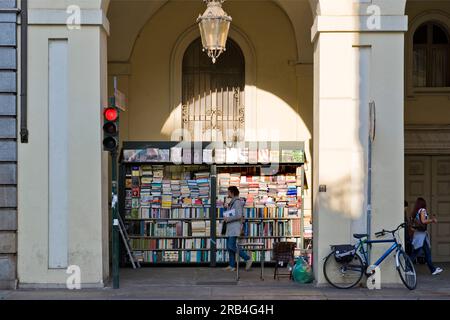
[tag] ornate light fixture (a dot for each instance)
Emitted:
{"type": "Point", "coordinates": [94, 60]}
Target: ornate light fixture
{"type": "Point", "coordinates": [214, 26]}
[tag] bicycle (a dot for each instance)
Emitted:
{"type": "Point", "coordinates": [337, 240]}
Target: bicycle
{"type": "Point", "coordinates": [345, 266]}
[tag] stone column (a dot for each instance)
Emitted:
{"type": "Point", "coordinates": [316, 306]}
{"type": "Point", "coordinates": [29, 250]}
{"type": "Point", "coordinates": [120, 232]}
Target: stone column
{"type": "Point", "coordinates": [358, 58]}
{"type": "Point", "coordinates": [67, 91]}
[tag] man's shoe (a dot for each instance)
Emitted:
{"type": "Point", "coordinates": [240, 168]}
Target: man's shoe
{"type": "Point", "coordinates": [248, 264]}
{"type": "Point", "coordinates": [228, 268]}
{"type": "Point", "coordinates": [437, 271]}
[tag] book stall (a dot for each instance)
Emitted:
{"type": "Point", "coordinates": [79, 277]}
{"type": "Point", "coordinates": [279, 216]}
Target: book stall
{"type": "Point", "coordinates": [172, 195]}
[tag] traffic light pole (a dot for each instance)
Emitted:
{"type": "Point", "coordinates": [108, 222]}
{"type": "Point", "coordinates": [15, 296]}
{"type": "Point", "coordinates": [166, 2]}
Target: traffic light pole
{"type": "Point", "coordinates": [111, 144]}
{"type": "Point", "coordinates": [115, 224]}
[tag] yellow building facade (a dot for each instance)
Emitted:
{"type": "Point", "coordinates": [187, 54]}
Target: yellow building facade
{"type": "Point", "coordinates": [312, 68]}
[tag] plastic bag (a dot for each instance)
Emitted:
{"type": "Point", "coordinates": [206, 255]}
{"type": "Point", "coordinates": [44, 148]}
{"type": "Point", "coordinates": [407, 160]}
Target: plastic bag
{"type": "Point", "coordinates": [302, 272]}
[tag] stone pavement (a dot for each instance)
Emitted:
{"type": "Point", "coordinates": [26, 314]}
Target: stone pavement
{"type": "Point", "coordinates": [217, 284]}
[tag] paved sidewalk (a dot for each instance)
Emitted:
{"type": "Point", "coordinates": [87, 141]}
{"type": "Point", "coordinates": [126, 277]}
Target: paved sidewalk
{"type": "Point", "coordinates": [217, 284]}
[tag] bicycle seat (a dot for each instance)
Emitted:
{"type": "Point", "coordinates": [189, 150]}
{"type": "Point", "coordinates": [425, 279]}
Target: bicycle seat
{"type": "Point", "coordinates": [360, 236]}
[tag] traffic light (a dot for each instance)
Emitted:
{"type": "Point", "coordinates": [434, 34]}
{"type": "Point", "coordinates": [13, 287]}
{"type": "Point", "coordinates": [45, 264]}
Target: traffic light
{"type": "Point", "coordinates": [111, 129]}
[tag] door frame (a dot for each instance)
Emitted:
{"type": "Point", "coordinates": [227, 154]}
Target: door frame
{"type": "Point", "coordinates": [427, 140]}
{"type": "Point", "coordinates": [423, 141]}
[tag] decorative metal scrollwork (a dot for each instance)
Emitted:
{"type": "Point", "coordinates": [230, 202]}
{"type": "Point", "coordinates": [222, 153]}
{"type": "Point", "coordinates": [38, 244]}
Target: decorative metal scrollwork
{"type": "Point", "coordinates": [185, 114]}
{"type": "Point", "coordinates": [220, 118]}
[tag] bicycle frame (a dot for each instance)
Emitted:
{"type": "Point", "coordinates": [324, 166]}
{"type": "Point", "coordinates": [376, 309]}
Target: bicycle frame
{"type": "Point", "coordinates": [361, 247]}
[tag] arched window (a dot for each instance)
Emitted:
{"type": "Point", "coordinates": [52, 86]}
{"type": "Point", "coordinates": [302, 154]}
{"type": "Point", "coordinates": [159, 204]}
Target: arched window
{"type": "Point", "coordinates": [431, 56]}
{"type": "Point", "coordinates": [213, 94]}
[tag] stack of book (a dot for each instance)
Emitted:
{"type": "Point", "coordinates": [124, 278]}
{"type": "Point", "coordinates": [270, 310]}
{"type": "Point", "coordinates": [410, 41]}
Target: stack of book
{"type": "Point", "coordinates": [166, 202]}
{"type": "Point", "coordinates": [198, 228]}
{"type": "Point", "coordinates": [176, 190]}
{"type": "Point", "coordinates": [203, 182]}
{"type": "Point", "coordinates": [235, 180]}
{"type": "Point", "coordinates": [243, 187]}
{"type": "Point", "coordinates": [184, 189]}
{"type": "Point", "coordinates": [223, 179]}
{"type": "Point", "coordinates": [307, 226]}
{"type": "Point", "coordinates": [193, 189]}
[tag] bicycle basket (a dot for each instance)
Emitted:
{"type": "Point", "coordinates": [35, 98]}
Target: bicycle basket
{"type": "Point", "coordinates": [344, 253]}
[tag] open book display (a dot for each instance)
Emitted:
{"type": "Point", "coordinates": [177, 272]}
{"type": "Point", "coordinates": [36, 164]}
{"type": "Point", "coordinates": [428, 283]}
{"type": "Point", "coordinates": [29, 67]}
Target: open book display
{"type": "Point", "coordinates": [266, 154]}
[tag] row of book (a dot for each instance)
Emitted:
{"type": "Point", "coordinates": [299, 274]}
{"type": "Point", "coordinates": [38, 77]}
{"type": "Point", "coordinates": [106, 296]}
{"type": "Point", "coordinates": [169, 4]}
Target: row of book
{"type": "Point", "coordinates": [223, 256]}
{"type": "Point", "coordinates": [264, 212]}
{"type": "Point", "coordinates": [175, 213]}
{"type": "Point", "coordinates": [203, 213]}
{"type": "Point", "coordinates": [289, 228]}
{"type": "Point", "coordinates": [194, 228]}
{"type": "Point", "coordinates": [202, 228]}
{"type": "Point", "coordinates": [173, 256]}
{"type": "Point", "coordinates": [221, 244]}
{"type": "Point", "coordinates": [159, 251]}
{"type": "Point", "coordinates": [243, 155]}
{"type": "Point", "coordinates": [169, 244]}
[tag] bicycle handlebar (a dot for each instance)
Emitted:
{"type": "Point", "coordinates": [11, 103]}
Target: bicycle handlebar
{"type": "Point", "coordinates": [383, 232]}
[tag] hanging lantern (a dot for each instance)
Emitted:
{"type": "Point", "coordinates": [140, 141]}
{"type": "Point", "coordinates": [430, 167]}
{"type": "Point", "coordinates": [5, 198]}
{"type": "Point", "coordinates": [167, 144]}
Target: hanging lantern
{"type": "Point", "coordinates": [214, 26]}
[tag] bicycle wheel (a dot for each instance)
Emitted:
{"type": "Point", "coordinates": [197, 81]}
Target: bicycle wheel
{"type": "Point", "coordinates": [343, 275]}
{"type": "Point", "coordinates": [406, 270]}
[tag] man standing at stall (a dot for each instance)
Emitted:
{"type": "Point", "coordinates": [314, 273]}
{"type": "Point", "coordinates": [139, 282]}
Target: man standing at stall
{"type": "Point", "coordinates": [234, 222]}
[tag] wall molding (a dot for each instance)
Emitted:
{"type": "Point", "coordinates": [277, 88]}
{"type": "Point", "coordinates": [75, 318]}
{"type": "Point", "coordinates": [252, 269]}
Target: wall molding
{"type": "Point", "coordinates": [357, 24]}
{"type": "Point", "coordinates": [88, 17]}
{"type": "Point", "coordinates": [427, 139]}
{"type": "Point", "coordinates": [119, 68]}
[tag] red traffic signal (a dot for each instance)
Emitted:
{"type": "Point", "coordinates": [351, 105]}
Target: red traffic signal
{"type": "Point", "coordinates": [111, 129]}
{"type": "Point", "coordinates": [111, 114]}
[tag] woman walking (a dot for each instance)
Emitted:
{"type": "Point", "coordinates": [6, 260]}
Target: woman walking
{"type": "Point", "coordinates": [234, 227]}
{"type": "Point", "coordinates": [421, 238]}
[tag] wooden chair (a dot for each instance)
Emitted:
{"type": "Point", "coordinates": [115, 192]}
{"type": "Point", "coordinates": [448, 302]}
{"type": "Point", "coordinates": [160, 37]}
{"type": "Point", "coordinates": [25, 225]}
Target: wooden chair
{"type": "Point", "coordinates": [283, 254]}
